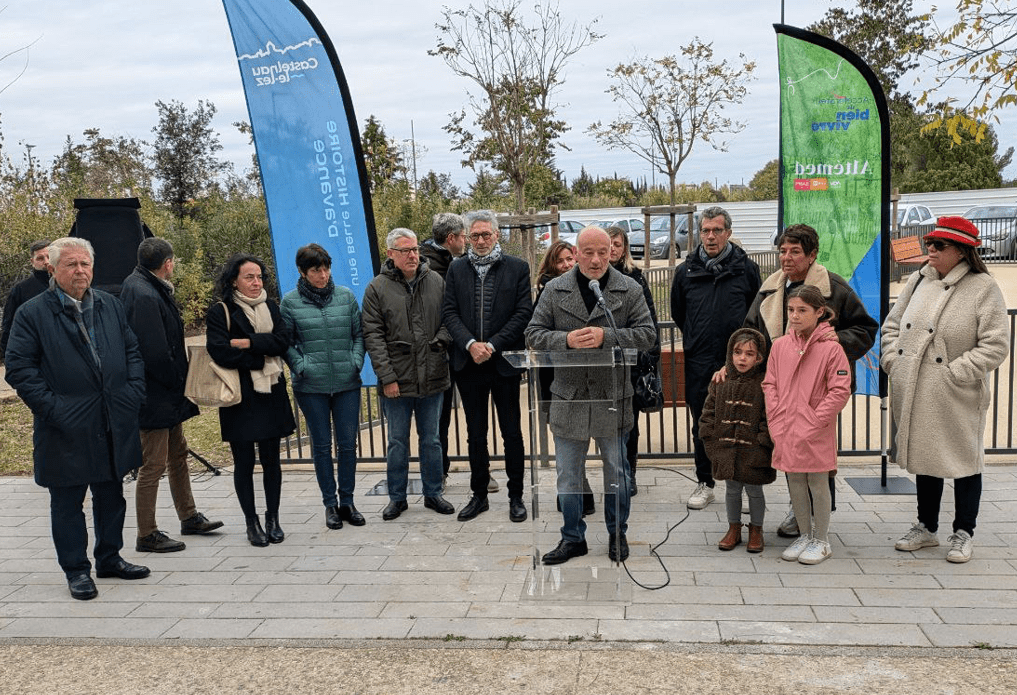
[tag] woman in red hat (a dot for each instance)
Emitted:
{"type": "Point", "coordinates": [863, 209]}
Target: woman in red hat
{"type": "Point", "coordinates": [947, 332]}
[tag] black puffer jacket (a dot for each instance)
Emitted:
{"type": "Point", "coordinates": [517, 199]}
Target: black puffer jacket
{"type": "Point", "coordinates": [733, 423]}
{"type": "Point", "coordinates": [155, 320]}
{"type": "Point", "coordinates": [708, 308]}
{"type": "Point", "coordinates": [32, 286]}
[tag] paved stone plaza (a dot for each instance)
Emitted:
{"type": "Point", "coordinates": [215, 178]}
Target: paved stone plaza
{"type": "Point", "coordinates": [428, 576]}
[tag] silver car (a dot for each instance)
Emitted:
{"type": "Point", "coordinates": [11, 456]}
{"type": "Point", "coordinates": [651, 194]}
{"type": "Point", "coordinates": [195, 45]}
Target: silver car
{"type": "Point", "coordinates": [997, 229]}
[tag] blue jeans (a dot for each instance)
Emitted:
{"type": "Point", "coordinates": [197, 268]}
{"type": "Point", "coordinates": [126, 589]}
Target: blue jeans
{"type": "Point", "coordinates": [323, 411]}
{"type": "Point", "coordinates": [398, 412]}
{"type": "Point", "coordinates": [570, 462]}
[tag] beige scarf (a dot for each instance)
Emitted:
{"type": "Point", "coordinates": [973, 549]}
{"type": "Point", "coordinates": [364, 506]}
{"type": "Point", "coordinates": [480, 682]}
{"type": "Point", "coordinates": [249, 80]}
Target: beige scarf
{"type": "Point", "coordinates": [256, 311]}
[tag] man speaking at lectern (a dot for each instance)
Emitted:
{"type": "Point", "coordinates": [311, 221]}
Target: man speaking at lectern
{"type": "Point", "coordinates": [571, 315]}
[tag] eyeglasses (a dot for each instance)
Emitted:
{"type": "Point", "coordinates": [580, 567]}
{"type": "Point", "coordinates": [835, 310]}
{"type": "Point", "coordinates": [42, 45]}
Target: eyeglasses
{"type": "Point", "coordinates": [712, 231]}
{"type": "Point", "coordinates": [486, 236]}
{"type": "Point", "coordinates": [408, 250]}
{"type": "Point", "coordinates": [936, 244]}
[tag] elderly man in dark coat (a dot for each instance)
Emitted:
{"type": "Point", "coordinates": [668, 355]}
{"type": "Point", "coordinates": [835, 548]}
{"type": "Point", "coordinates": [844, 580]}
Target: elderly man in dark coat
{"type": "Point", "coordinates": [147, 296]}
{"type": "Point", "coordinates": [75, 362]}
{"type": "Point", "coordinates": [569, 316]}
{"type": "Point", "coordinates": [711, 293]}
{"type": "Point", "coordinates": [486, 308]}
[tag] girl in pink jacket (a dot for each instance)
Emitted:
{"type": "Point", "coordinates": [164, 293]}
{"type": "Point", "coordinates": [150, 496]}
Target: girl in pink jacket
{"type": "Point", "coordinates": [807, 383]}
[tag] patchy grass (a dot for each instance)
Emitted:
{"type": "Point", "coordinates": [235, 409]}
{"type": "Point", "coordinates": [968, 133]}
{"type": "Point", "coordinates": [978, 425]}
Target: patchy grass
{"type": "Point", "coordinates": [16, 443]}
{"type": "Point", "coordinates": [16, 423]}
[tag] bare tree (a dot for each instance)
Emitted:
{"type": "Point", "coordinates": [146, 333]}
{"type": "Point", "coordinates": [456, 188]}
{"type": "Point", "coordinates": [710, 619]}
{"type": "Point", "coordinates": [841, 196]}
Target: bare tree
{"type": "Point", "coordinates": [517, 62]}
{"type": "Point", "coordinates": [980, 48]}
{"type": "Point", "coordinates": [669, 104]}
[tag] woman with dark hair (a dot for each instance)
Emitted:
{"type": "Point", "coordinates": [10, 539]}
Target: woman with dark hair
{"type": "Point", "coordinates": [621, 260]}
{"type": "Point", "coordinates": [245, 331]}
{"type": "Point", "coordinates": [947, 332]}
{"type": "Point", "coordinates": [325, 359]}
{"type": "Point", "coordinates": [560, 257]}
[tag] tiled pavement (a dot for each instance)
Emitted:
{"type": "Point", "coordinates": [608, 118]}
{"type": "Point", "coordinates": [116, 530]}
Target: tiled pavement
{"type": "Point", "coordinates": [432, 577]}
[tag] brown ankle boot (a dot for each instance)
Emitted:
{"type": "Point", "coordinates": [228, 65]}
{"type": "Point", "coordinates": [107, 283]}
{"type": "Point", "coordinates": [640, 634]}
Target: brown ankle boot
{"type": "Point", "coordinates": [732, 538]}
{"type": "Point", "coordinates": [755, 544]}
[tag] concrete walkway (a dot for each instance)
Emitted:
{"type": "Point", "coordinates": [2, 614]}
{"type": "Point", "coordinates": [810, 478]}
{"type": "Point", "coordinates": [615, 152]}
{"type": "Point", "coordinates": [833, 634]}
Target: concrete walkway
{"type": "Point", "coordinates": [450, 602]}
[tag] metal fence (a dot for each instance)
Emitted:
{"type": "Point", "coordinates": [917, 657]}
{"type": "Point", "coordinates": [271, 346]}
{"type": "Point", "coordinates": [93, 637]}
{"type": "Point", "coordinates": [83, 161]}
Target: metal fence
{"type": "Point", "coordinates": [668, 434]}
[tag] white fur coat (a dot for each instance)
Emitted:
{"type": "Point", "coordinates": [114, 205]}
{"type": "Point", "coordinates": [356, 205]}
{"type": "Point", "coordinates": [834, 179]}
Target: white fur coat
{"type": "Point", "coordinates": [941, 341]}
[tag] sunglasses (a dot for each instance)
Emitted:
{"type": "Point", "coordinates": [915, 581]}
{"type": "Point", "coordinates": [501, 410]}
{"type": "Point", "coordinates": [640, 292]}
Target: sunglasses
{"type": "Point", "coordinates": [936, 244]}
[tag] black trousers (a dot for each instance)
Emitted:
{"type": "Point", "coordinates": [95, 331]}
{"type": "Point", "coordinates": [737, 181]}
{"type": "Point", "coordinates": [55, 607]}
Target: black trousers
{"type": "Point", "coordinates": [967, 494]}
{"type": "Point", "coordinates": [477, 384]}
{"type": "Point", "coordinates": [704, 469]}
{"type": "Point", "coordinates": [444, 422]}
{"type": "Point", "coordinates": [70, 533]}
{"type": "Point", "coordinates": [243, 474]}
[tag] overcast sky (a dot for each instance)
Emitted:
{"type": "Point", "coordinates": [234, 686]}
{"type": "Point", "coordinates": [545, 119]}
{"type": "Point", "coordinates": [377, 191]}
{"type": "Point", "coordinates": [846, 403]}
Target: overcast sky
{"type": "Point", "coordinates": [104, 64]}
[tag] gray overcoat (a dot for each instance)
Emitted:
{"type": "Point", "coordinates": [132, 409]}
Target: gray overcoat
{"type": "Point", "coordinates": [578, 409]}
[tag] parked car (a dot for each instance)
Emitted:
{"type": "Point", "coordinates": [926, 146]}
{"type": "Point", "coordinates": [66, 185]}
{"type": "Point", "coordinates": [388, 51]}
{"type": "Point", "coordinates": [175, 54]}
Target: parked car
{"type": "Point", "coordinates": [997, 229]}
{"type": "Point", "coordinates": [915, 220]}
{"type": "Point", "coordinates": [660, 235]}
{"type": "Point", "coordinates": [568, 230]}
{"type": "Point", "coordinates": [635, 230]}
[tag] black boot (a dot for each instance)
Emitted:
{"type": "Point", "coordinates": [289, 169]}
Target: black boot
{"type": "Point", "coordinates": [255, 534]}
{"type": "Point", "coordinates": [272, 530]}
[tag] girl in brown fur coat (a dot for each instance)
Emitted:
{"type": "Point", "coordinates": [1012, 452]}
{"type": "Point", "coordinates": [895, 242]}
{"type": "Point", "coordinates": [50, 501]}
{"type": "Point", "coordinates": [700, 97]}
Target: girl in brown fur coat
{"type": "Point", "coordinates": [733, 430]}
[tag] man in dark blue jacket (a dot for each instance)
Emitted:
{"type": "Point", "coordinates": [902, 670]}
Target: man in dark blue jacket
{"type": "Point", "coordinates": [31, 286]}
{"type": "Point", "coordinates": [711, 293]}
{"type": "Point", "coordinates": [147, 296]}
{"type": "Point", "coordinates": [75, 363]}
{"type": "Point", "coordinates": [486, 309]}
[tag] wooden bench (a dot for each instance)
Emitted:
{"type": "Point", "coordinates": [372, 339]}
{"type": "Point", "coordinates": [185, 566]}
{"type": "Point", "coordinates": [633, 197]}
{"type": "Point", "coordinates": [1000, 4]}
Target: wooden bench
{"type": "Point", "coordinates": [908, 250]}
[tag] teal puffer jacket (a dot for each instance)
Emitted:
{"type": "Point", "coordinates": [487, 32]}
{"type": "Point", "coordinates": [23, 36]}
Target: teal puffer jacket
{"type": "Point", "coordinates": [328, 343]}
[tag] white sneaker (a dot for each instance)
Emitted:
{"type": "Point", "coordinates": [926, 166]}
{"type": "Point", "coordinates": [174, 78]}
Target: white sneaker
{"type": "Point", "coordinates": [701, 497]}
{"type": "Point", "coordinates": [793, 551]}
{"type": "Point", "coordinates": [789, 527]}
{"type": "Point", "coordinates": [815, 552]}
{"type": "Point", "coordinates": [492, 484]}
{"type": "Point", "coordinates": [917, 538]}
{"type": "Point", "coordinates": [961, 547]}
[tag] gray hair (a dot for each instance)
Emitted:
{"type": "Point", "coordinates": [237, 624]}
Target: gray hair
{"type": "Point", "coordinates": [153, 252]}
{"type": "Point", "coordinates": [69, 242]}
{"type": "Point", "coordinates": [446, 223]}
{"type": "Point", "coordinates": [399, 233]}
{"type": "Point", "coordinates": [475, 216]}
{"type": "Point", "coordinates": [715, 211]}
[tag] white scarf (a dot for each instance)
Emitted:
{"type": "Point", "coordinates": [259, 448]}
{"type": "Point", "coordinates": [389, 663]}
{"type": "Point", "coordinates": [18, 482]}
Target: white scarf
{"type": "Point", "coordinates": [256, 311]}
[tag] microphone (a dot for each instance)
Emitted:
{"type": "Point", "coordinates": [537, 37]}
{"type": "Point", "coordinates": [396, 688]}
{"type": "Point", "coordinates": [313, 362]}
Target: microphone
{"type": "Point", "coordinates": [595, 286]}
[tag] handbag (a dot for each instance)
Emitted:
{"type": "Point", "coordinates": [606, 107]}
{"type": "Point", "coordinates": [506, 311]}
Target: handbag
{"type": "Point", "coordinates": [648, 393]}
{"type": "Point", "coordinates": [207, 382]}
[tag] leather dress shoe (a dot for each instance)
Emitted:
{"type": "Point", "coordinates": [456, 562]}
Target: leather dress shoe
{"type": "Point", "coordinates": [565, 551]}
{"type": "Point", "coordinates": [517, 510]}
{"type": "Point", "coordinates": [393, 509]}
{"type": "Point", "coordinates": [198, 524]}
{"type": "Point", "coordinates": [613, 545]}
{"type": "Point", "coordinates": [439, 504]}
{"type": "Point", "coordinates": [348, 512]}
{"type": "Point", "coordinates": [332, 518]}
{"type": "Point", "coordinates": [473, 508]}
{"type": "Point", "coordinates": [122, 569]}
{"type": "Point", "coordinates": [158, 542]}
{"type": "Point", "coordinates": [82, 587]}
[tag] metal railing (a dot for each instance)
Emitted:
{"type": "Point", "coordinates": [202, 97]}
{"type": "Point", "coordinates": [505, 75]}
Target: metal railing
{"type": "Point", "coordinates": [668, 434]}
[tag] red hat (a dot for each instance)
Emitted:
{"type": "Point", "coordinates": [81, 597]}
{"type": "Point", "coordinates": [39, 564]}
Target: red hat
{"type": "Point", "coordinates": [957, 230]}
